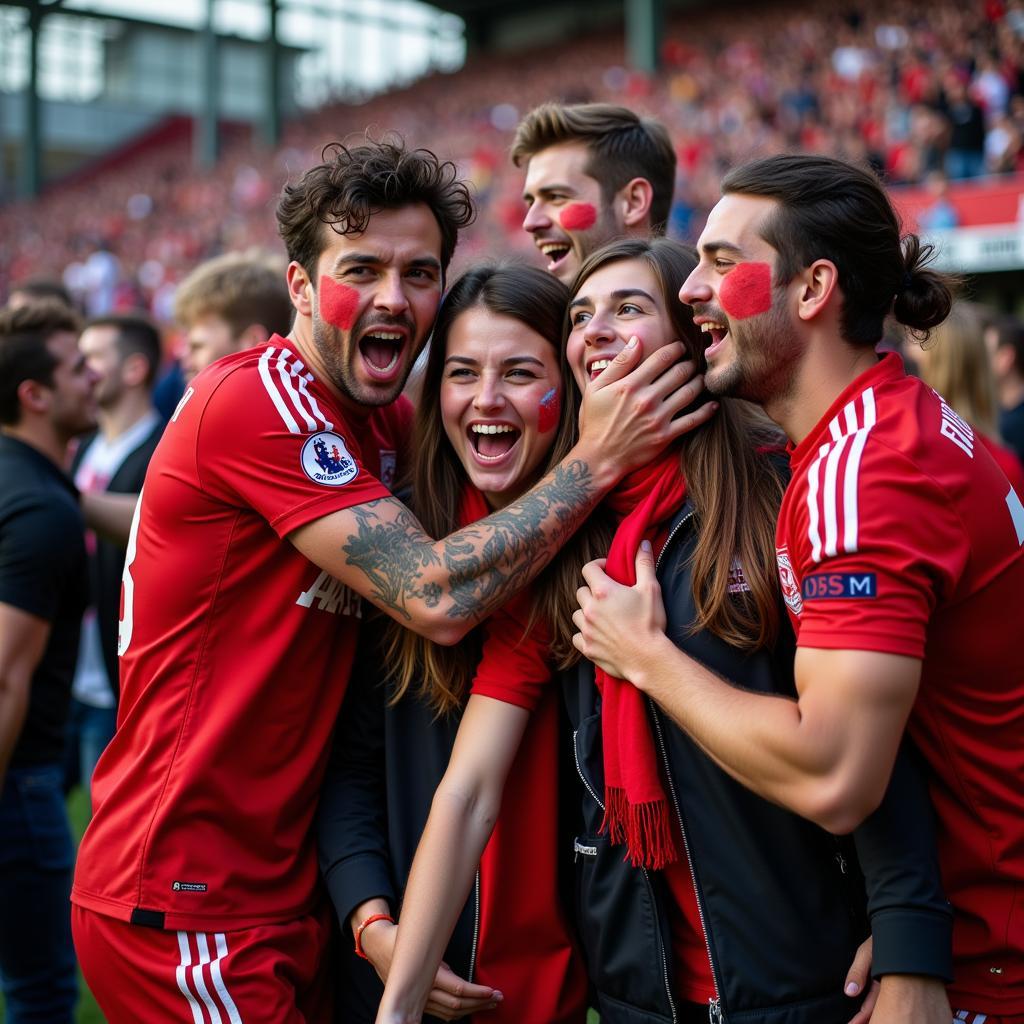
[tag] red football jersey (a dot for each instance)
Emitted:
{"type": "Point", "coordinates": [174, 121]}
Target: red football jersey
{"type": "Point", "coordinates": [899, 533]}
{"type": "Point", "coordinates": [235, 651]}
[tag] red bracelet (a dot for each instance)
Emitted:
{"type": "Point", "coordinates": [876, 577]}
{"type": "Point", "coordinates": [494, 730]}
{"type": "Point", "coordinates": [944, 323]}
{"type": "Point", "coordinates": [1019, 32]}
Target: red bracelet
{"type": "Point", "coordinates": [366, 924]}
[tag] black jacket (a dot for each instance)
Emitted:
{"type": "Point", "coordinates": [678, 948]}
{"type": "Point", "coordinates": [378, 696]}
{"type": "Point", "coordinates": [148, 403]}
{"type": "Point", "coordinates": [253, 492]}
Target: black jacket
{"type": "Point", "coordinates": [384, 766]}
{"type": "Point", "coordinates": [106, 566]}
{"type": "Point", "coordinates": [782, 901]}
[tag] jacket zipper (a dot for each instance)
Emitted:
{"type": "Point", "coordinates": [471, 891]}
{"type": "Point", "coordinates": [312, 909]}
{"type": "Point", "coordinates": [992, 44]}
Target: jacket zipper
{"type": "Point", "coordinates": [476, 926]}
{"type": "Point", "coordinates": [647, 879]}
{"type": "Point", "coordinates": [715, 1005]}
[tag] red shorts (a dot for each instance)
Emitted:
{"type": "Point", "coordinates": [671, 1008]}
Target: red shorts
{"type": "Point", "coordinates": [271, 974]}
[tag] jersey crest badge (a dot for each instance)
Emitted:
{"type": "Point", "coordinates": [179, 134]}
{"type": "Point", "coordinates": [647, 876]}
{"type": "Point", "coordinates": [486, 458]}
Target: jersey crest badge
{"type": "Point", "coordinates": [790, 587]}
{"type": "Point", "coordinates": [326, 460]}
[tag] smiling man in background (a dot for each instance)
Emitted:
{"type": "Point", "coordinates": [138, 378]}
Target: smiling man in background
{"type": "Point", "coordinates": [594, 172]}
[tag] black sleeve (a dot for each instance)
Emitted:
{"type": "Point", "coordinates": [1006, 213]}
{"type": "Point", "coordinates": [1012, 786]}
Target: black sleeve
{"type": "Point", "coordinates": [351, 829]}
{"type": "Point", "coordinates": [911, 919]}
{"type": "Point", "coordinates": [37, 556]}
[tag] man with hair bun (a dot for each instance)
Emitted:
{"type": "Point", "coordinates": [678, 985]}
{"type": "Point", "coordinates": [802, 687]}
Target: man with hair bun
{"type": "Point", "coordinates": [594, 172]}
{"type": "Point", "coordinates": [899, 550]}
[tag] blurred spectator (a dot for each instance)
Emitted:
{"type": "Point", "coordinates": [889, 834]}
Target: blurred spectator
{"type": "Point", "coordinates": [123, 350]}
{"type": "Point", "coordinates": [231, 303]}
{"type": "Point", "coordinates": [955, 363]}
{"type": "Point", "coordinates": [45, 400]}
{"type": "Point", "coordinates": [1004, 341]}
{"type": "Point", "coordinates": [34, 290]}
{"type": "Point", "coordinates": [897, 83]}
{"type": "Point", "coordinates": [965, 157]}
{"type": "Point", "coordinates": [941, 213]}
{"type": "Point", "coordinates": [1002, 145]}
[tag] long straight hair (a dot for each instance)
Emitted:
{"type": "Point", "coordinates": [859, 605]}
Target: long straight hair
{"type": "Point", "coordinates": [537, 300]}
{"type": "Point", "coordinates": [957, 365]}
{"type": "Point", "coordinates": [735, 490]}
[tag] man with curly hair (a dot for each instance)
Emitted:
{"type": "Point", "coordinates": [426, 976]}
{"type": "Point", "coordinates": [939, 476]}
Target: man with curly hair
{"type": "Point", "coordinates": [264, 524]}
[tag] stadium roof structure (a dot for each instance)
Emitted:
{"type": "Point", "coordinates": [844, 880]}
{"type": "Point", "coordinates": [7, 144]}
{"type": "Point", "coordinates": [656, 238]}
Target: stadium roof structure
{"type": "Point", "coordinates": [198, 18]}
{"type": "Point", "coordinates": [486, 26]}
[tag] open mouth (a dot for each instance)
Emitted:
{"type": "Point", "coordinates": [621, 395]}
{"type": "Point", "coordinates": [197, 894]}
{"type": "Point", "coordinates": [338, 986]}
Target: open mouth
{"type": "Point", "coordinates": [381, 350]}
{"type": "Point", "coordinates": [555, 252]}
{"type": "Point", "coordinates": [717, 334]}
{"type": "Point", "coordinates": [598, 366]}
{"type": "Point", "coordinates": [493, 441]}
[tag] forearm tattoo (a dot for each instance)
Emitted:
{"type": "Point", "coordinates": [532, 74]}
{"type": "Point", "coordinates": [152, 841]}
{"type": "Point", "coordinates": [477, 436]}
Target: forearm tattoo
{"type": "Point", "coordinates": [485, 564]}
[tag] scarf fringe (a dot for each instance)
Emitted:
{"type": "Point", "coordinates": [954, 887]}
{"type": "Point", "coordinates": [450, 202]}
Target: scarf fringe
{"type": "Point", "coordinates": [645, 829]}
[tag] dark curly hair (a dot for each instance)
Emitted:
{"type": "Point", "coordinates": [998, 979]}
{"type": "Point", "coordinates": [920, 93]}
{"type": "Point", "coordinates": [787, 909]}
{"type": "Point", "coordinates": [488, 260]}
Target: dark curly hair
{"type": "Point", "coordinates": [355, 182]}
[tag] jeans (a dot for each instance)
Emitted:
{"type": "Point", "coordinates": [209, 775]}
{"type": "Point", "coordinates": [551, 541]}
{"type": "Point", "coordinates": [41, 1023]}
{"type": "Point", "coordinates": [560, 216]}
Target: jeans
{"type": "Point", "coordinates": [964, 163]}
{"type": "Point", "coordinates": [37, 960]}
{"type": "Point", "coordinates": [89, 731]}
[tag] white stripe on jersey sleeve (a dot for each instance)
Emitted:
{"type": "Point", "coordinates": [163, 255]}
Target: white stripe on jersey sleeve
{"type": "Point", "coordinates": [812, 503]}
{"type": "Point", "coordinates": [839, 495]}
{"type": "Point", "coordinates": [829, 497]}
{"type": "Point", "coordinates": [304, 381]}
{"type": "Point", "coordinates": [275, 395]}
{"type": "Point", "coordinates": [285, 369]}
{"type": "Point", "coordinates": [852, 476]}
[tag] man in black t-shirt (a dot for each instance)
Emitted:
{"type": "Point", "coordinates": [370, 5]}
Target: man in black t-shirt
{"type": "Point", "coordinates": [46, 398]}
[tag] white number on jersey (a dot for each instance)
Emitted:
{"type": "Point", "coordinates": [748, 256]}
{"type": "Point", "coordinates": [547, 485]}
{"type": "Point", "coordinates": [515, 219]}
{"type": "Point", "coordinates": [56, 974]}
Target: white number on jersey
{"type": "Point", "coordinates": [1013, 503]}
{"type": "Point", "coordinates": [124, 626]}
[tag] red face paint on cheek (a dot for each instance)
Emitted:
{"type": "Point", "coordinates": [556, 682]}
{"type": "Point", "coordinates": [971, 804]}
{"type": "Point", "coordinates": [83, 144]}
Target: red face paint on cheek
{"type": "Point", "coordinates": [578, 217]}
{"type": "Point", "coordinates": [549, 412]}
{"type": "Point", "coordinates": [338, 303]}
{"type": "Point", "coordinates": [747, 290]}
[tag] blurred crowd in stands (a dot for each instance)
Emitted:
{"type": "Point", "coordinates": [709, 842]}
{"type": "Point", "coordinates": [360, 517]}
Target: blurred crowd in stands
{"type": "Point", "coordinates": [926, 92]}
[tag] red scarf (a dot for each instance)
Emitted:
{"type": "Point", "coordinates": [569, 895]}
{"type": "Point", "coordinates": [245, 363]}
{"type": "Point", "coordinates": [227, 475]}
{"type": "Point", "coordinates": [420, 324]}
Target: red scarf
{"type": "Point", "coordinates": [637, 811]}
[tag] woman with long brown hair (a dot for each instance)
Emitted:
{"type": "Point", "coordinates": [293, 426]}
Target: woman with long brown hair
{"type": "Point", "coordinates": [669, 929]}
{"type": "Point", "coordinates": [493, 418]}
{"type": "Point", "coordinates": [955, 362]}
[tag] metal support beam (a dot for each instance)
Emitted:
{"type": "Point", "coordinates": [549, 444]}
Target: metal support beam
{"type": "Point", "coordinates": [272, 102]}
{"type": "Point", "coordinates": [31, 145]}
{"type": "Point", "coordinates": [645, 28]}
{"type": "Point", "coordinates": [205, 140]}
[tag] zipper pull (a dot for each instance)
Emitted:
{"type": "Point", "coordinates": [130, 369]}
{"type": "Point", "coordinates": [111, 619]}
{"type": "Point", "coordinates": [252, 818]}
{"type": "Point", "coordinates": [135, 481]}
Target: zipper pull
{"type": "Point", "coordinates": [841, 861]}
{"type": "Point", "coordinates": [715, 1011]}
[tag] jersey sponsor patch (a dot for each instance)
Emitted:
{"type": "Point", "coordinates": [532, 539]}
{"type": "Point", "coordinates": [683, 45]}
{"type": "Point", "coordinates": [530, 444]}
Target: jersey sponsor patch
{"type": "Point", "coordinates": [326, 460]}
{"type": "Point", "coordinates": [188, 886]}
{"type": "Point", "coordinates": [823, 586]}
{"type": "Point", "coordinates": [790, 587]}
